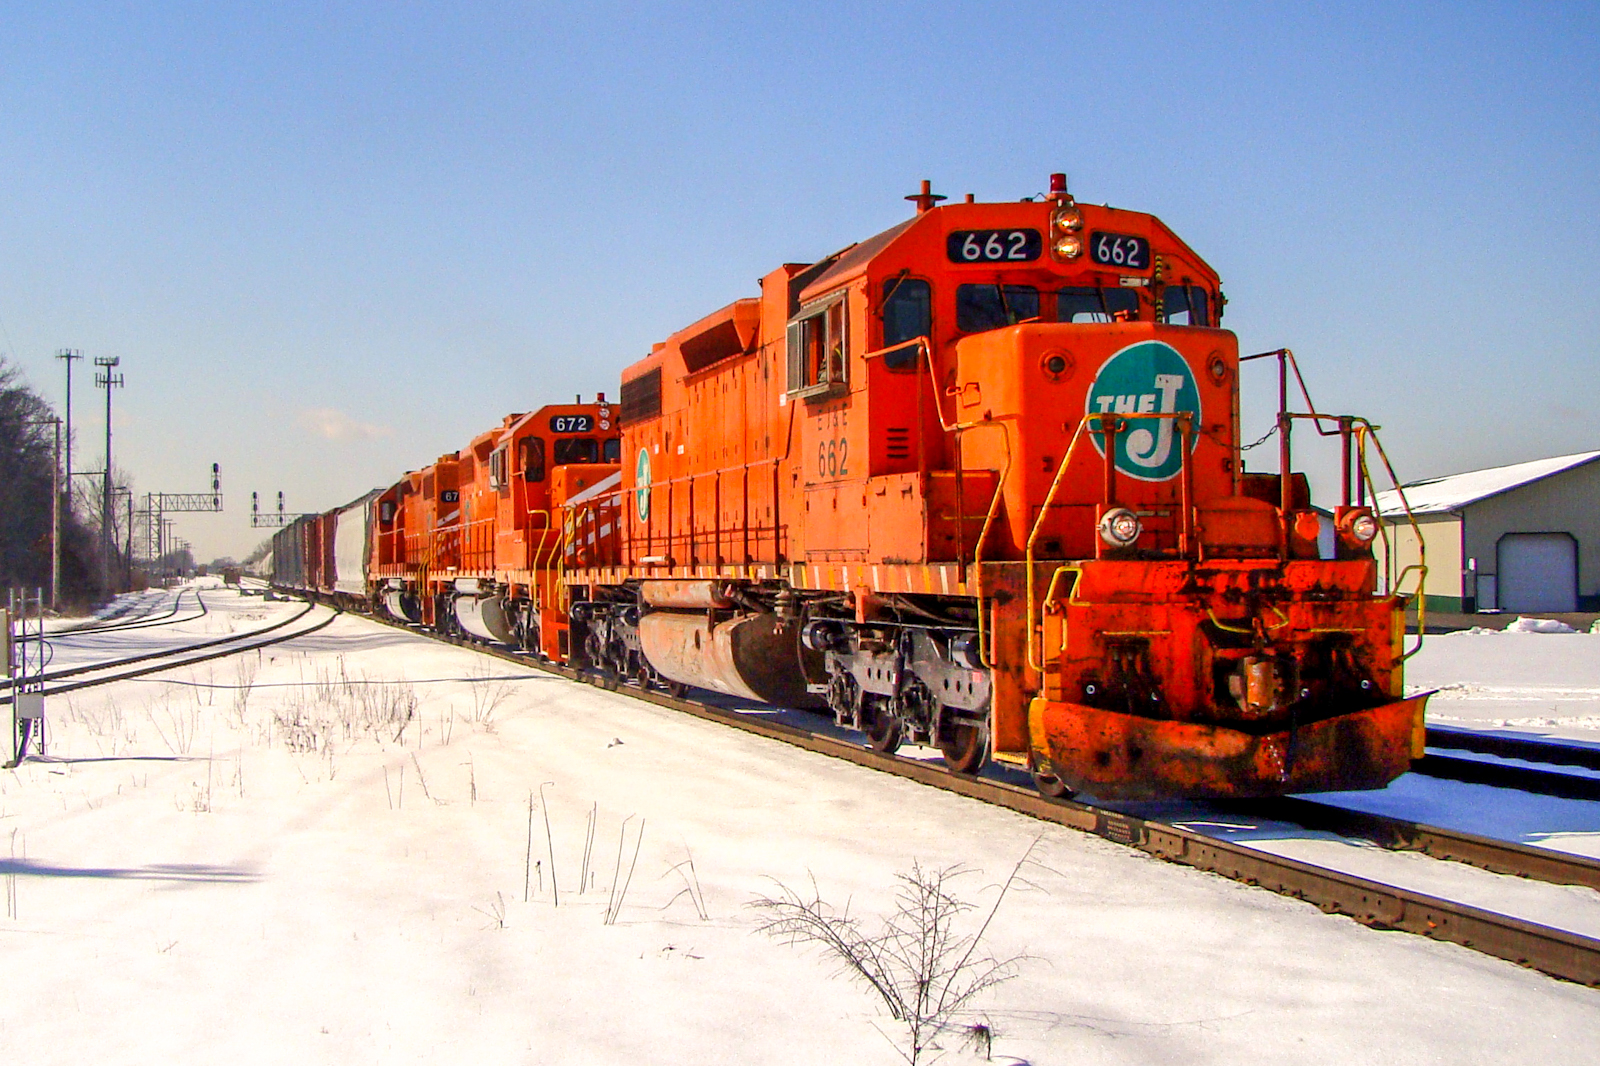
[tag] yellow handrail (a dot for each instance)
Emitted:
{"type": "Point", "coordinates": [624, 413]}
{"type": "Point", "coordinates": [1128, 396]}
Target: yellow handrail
{"type": "Point", "coordinates": [1033, 535]}
{"type": "Point", "coordinates": [1365, 431]}
{"type": "Point", "coordinates": [984, 650]}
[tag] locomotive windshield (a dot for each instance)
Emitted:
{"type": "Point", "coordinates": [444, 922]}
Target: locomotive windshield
{"type": "Point", "coordinates": [1085, 304]}
{"type": "Point", "coordinates": [984, 307]}
{"type": "Point", "coordinates": [577, 450]}
{"type": "Point", "coordinates": [1184, 305]}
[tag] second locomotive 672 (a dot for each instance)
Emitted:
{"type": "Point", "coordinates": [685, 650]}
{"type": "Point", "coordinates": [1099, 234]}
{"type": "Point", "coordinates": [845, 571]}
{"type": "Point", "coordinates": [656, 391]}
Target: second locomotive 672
{"type": "Point", "coordinates": [976, 482]}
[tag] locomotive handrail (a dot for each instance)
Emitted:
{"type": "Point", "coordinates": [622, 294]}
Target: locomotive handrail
{"type": "Point", "coordinates": [921, 342]}
{"type": "Point", "coordinates": [1211, 613]}
{"type": "Point", "coordinates": [983, 534]}
{"type": "Point", "coordinates": [1049, 597]}
{"type": "Point", "coordinates": [1184, 531]}
{"type": "Point", "coordinates": [1033, 535]}
{"type": "Point", "coordinates": [1360, 430]}
{"type": "Point", "coordinates": [1421, 565]}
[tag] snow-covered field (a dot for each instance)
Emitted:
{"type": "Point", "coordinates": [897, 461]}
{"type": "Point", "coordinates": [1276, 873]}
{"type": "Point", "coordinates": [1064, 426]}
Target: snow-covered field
{"type": "Point", "coordinates": [1547, 684]}
{"type": "Point", "coordinates": [329, 865]}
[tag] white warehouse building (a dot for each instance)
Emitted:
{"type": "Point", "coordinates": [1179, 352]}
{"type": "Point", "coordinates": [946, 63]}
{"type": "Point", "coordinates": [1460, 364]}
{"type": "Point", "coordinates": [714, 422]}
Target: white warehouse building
{"type": "Point", "coordinates": [1524, 537]}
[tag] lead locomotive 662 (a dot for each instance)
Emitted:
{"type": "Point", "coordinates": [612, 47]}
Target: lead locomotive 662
{"type": "Point", "coordinates": [974, 482]}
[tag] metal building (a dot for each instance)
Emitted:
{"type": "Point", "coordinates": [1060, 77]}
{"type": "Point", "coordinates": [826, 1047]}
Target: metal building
{"type": "Point", "coordinates": [1524, 537]}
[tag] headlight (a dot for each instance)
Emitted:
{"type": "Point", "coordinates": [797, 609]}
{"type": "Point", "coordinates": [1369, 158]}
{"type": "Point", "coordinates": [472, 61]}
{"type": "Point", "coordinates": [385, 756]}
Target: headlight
{"type": "Point", "coordinates": [1069, 220]}
{"type": "Point", "coordinates": [1359, 527]}
{"type": "Point", "coordinates": [1069, 247]}
{"type": "Point", "coordinates": [1120, 527]}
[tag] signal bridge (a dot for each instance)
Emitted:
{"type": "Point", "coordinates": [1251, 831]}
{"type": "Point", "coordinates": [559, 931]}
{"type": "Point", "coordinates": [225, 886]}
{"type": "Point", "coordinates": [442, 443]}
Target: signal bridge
{"type": "Point", "coordinates": [271, 520]}
{"type": "Point", "coordinates": [160, 504]}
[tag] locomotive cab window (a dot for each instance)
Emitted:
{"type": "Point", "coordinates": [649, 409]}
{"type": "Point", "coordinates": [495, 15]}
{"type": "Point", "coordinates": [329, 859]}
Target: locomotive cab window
{"type": "Point", "coordinates": [532, 457]}
{"type": "Point", "coordinates": [613, 450]}
{"type": "Point", "coordinates": [907, 315]}
{"type": "Point", "coordinates": [986, 307]}
{"type": "Point", "coordinates": [1184, 305]}
{"type": "Point", "coordinates": [817, 349]}
{"type": "Point", "coordinates": [497, 471]}
{"type": "Point", "coordinates": [1082, 304]}
{"type": "Point", "coordinates": [577, 450]}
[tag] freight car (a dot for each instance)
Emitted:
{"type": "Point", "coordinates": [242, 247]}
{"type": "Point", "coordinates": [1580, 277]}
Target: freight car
{"type": "Point", "coordinates": [325, 554]}
{"type": "Point", "coordinates": [974, 482]}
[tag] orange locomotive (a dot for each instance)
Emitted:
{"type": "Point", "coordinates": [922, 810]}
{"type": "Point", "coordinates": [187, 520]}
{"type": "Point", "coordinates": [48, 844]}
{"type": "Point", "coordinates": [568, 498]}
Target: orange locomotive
{"type": "Point", "coordinates": [471, 544]}
{"type": "Point", "coordinates": [976, 482]}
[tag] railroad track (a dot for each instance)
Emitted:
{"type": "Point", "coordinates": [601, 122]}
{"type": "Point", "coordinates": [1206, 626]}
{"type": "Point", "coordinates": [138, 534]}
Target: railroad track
{"type": "Point", "coordinates": [1556, 952]}
{"type": "Point", "coordinates": [89, 668]}
{"type": "Point", "coordinates": [192, 660]}
{"type": "Point", "coordinates": [1542, 778]}
{"type": "Point", "coordinates": [122, 620]}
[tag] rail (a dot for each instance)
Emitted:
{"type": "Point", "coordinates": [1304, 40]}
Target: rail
{"type": "Point", "coordinates": [1559, 953]}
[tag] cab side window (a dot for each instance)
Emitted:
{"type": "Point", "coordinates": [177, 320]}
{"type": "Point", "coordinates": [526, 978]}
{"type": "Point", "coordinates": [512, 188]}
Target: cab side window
{"type": "Point", "coordinates": [907, 315]}
{"type": "Point", "coordinates": [497, 471]}
{"type": "Point", "coordinates": [532, 456]}
{"type": "Point", "coordinates": [985, 307]}
{"type": "Point", "coordinates": [613, 450]}
{"type": "Point", "coordinates": [817, 347]}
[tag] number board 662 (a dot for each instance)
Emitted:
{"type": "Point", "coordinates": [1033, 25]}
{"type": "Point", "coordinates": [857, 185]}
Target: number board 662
{"type": "Point", "coordinates": [993, 245]}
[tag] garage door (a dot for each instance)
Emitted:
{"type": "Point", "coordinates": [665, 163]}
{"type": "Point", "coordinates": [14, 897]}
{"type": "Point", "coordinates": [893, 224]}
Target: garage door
{"type": "Point", "coordinates": [1538, 572]}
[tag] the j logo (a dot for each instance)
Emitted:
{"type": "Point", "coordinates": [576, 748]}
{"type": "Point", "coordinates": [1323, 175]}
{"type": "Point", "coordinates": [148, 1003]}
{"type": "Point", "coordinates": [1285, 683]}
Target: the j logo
{"type": "Point", "coordinates": [1145, 378]}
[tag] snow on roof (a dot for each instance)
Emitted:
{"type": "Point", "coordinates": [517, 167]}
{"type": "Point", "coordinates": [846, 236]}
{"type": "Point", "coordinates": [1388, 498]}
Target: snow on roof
{"type": "Point", "coordinates": [1435, 495]}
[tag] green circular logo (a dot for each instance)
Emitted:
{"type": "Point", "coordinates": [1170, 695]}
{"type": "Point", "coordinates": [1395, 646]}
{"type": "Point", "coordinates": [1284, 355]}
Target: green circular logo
{"type": "Point", "coordinates": [1145, 378]}
{"type": "Point", "coordinates": [641, 477]}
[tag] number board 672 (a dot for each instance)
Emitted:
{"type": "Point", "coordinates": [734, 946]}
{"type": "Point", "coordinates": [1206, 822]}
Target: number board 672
{"type": "Point", "coordinates": [572, 424]}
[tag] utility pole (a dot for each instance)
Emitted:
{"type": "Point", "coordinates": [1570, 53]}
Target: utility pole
{"type": "Point", "coordinates": [55, 515]}
{"type": "Point", "coordinates": [108, 545]}
{"type": "Point", "coordinates": [69, 356]}
{"type": "Point", "coordinates": [55, 521]}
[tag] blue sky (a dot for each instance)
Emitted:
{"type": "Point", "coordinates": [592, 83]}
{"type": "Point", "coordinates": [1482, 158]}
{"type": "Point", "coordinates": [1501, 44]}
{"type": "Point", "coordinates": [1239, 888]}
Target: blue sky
{"type": "Point", "coordinates": [332, 241]}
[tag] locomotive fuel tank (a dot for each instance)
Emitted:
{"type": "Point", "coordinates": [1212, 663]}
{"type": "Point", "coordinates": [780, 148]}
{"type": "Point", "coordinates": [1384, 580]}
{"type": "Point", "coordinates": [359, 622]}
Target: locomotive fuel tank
{"type": "Point", "coordinates": [755, 656]}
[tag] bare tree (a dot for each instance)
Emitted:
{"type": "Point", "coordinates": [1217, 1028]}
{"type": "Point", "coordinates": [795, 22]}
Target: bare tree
{"type": "Point", "coordinates": [926, 972]}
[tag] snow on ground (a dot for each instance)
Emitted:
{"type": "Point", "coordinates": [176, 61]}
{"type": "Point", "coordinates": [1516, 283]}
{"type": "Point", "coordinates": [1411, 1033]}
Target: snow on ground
{"type": "Point", "coordinates": [1533, 679]}
{"type": "Point", "coordinates": [1545, 684]}
{"type": "Point", "coordinates": [300, 872]}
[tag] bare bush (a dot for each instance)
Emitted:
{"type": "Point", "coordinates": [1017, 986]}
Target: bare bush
{"type": "Point", "coordinates": [488, 693]}
{"type": "Point", "coordinates": [926, 972]}
{"type": "Point", "coordinates": [245, 669]}
{"type": "Point", "coordinates": [336, 708]}
{"type": "Point", "coordinates": [104, 721]}
{"type": "Point", "coordinates": [176, 723]}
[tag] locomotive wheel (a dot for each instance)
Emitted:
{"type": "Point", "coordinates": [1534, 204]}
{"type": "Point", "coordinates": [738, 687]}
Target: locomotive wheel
{"type": "Point", "coordinates": [642, 676]}
{"type": "Point", "coordinates": [677, 689]}
{"type": "Point", "coordinates": [884, 731]}
{"type": "Point", "coordinates": [967, 748]}
{"type": "Point", "coordinates": [1049, 784]}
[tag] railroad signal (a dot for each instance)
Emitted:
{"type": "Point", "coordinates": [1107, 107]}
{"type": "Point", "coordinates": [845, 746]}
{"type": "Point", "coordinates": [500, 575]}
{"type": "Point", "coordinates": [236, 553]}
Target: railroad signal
{"type": "Point", "coordinates": [270, 520]}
